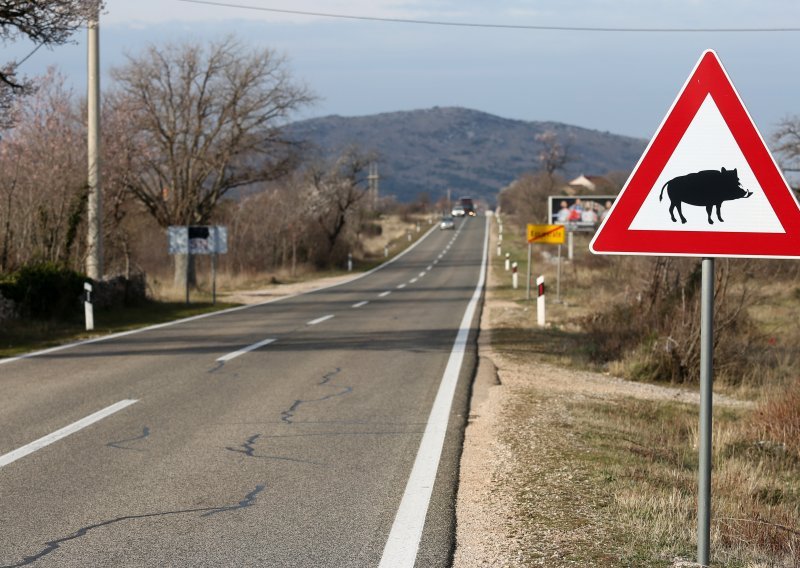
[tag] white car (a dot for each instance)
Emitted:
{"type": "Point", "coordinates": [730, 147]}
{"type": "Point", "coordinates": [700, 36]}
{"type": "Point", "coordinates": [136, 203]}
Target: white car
{"type": "Point", "coordinates": [447, 223]}
{"type": "Point", "coordinates": [458, 211]}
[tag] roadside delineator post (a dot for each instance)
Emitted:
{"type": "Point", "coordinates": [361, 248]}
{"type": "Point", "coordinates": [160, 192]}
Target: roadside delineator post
{"type": "Point", "coordinates": [386, 252]}
{"type": "Point", "coordinates": [540, 319]}
{"type": "Point", "coordinates": [514, 276]}
{"type": "Point", "coordinates": [349, 262]}
{"type": "Point", "coordinates": [88, 308]}
{"type": "Point", "coordinates": [508, 261]}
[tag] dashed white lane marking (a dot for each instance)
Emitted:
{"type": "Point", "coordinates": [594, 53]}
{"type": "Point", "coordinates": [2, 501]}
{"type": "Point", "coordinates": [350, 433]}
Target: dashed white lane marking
{"type": "Point", "coordinates": [421, 274]}
{"type": "Point", "coordinates": [401, 286]}
{"type": "Point", "coordinates": [413, 280]}
{"type": "Point", "coordinates": [359, 304]}
{"type": "Point", "coordinates": [320, 320]}
{"type": "Point", "coordinates": [247, 349]}
{"type": "Point", "coordinates": [14, 455]}
{"type": "Point", "coordinates": [384, 294]}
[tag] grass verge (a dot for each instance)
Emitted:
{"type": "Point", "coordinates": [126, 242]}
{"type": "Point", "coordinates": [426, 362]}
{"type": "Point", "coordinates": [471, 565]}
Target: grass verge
{"type": "Point", "coordinates": [602, 478]}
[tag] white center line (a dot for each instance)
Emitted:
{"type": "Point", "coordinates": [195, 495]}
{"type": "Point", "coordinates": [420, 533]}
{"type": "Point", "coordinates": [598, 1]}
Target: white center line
{"type": "Point", "coordinates": [401, 286]}
{"type": "Point", "coordinates": [13, 456]}
{"type": "Point", "coordinates": [413, 280]}
{"type": "Point", "coordinates": [384, 294]}
{"type": "Point", "coordinates": [247, 349]}
{"type": "Point", "coordinates": [358, 305]}
{"type": "Point", "coordinates": [320, 320]}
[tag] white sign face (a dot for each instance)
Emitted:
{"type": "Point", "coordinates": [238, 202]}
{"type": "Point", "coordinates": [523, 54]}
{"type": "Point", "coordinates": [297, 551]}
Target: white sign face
{"type": "Point", "coordinates": [708, 140]}
{"type": "Point", "coordinates": [198, 240]}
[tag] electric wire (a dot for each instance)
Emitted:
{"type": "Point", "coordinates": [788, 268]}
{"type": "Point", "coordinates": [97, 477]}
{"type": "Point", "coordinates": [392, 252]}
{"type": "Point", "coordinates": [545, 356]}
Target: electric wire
{"type": "Point", "coordinates": [491, 26]}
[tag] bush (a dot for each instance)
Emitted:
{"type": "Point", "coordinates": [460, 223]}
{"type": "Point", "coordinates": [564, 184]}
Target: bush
{"type": "Point", "coordinates": [45, 291]}
{"type": "Point", "coordinates": [656, 332]}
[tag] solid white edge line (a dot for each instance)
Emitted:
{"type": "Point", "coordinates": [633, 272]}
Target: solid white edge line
{"type": "Point", "coordinates": [404, 537]}
{"type": "Point", "coordinates": [244, 350]}
{"type": "Point", "coordinates": [359, 304]}
{"type": "Point", "coordinates": [384, 294]}
{"type": "Point", "coordinates": [14, 455]}
{"type": "Point", "coordinates": [212, 314]}
{"type": "Point", "coordinates": [320, 320]}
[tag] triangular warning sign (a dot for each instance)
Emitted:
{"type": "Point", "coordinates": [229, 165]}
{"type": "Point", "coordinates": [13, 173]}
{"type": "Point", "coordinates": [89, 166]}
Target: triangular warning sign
{"type": "Point", "coordinates": [706, 185]}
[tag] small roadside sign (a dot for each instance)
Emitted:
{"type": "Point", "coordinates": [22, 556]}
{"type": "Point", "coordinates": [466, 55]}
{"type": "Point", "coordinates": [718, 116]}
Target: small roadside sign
{"type": "Point", "coordinates": [546, 234]}
{"type": "Point", "coordinates": [706, 185]}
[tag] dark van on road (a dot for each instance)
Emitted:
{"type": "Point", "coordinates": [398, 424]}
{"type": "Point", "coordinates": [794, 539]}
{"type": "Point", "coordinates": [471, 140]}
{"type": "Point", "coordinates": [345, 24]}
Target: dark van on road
{"type": "Point", "coordinates": [469, 207]}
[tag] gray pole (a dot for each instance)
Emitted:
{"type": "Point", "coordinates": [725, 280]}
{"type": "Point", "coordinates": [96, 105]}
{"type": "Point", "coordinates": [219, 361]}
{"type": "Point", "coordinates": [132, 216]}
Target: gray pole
{"type": "Point", "coordinates": [558, 279]}
{"type": "Point", "coordinates": [94, 238]}
{"type": "Point", "coordinates": [528, 293]}
{"type": "Point", "coordinates": [214, 275]}
{"type": "Point", "coordinates": [706, 392]}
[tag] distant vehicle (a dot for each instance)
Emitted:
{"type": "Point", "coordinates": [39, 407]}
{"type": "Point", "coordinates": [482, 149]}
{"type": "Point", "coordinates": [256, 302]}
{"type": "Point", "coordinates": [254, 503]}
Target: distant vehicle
{"type": "Point", "coordinates": [458, 211]}
{"type": "Point", "coordinates": [468, 206]}
{"type": "Point", "coordinates": [447, 223]}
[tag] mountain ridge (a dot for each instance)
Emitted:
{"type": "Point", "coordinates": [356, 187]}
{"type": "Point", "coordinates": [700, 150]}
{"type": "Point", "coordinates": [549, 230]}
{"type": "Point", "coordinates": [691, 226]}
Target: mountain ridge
{"type": "Point", "coordinates": [464, 150]}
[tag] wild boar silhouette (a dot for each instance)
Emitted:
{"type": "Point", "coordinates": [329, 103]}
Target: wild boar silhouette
{"type": "Point", "coordinates": [707, 188]}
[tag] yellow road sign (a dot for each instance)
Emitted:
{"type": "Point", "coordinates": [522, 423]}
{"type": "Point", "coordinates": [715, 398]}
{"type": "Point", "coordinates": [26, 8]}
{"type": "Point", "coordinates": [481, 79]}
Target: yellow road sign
{"type": "Point", "coordinates": [547, 234]}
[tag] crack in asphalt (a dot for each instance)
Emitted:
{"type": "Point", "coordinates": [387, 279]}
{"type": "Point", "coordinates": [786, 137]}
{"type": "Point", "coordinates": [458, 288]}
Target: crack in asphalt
{"type": "Point", "coordinates": [53, 545]}
{"type": "Point", "coordinates": [247, 448]}
{"type": "Point", "coordinates": [248, 501]}
{"type": "Point", "coordinates": [287, 415]}
{"type": "Point", "coordinates": [118, 444]}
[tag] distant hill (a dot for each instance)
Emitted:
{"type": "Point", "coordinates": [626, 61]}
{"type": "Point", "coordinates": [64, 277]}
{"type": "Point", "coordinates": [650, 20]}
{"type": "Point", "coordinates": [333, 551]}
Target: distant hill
{"type": "Point", "coordinates": [467, 151]}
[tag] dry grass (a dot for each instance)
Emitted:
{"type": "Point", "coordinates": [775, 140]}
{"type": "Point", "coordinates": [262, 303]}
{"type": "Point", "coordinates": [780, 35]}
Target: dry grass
{"type": "Point", "coordinates": [612, 480]}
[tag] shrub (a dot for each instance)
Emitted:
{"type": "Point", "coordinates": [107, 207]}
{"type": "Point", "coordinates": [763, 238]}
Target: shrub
{"type": "Point", "coordinates": [657, 330]}
{"type": "Point", "coordinates": [45, 290]}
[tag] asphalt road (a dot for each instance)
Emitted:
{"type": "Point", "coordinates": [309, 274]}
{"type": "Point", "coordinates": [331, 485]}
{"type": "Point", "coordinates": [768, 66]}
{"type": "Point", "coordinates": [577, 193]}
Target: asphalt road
{"type": "Point", "coordinates": [279, 435]}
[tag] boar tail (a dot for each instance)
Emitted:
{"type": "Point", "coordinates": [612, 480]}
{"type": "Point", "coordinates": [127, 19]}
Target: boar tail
{"type": "Point", "coordinates": [660, 195]}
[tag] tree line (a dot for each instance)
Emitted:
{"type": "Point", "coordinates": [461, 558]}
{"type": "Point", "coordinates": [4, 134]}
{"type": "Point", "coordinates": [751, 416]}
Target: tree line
{"type": "Point", "coordinates": [184, 128]}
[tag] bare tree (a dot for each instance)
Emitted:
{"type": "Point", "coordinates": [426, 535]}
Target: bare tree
{"type": "Point", "coordinates": [554, 155]}
{"type": "Point", "coordinates": [43, 178]}
{"type": "Point", "coordinates": [337, 190]}
{"type": "Point", "coordinates": [45, 23]}
{"type": "Point", "coordinates": [204, 119]}
{"type": "Point", "coordinates": [787, 143]}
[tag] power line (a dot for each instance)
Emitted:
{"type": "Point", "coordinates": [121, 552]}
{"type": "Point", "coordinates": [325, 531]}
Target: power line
{"type": "Point", "coordinates": [494, 26]}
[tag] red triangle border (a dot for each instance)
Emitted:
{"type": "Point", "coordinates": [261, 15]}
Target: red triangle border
{"type": "Point", "coordinates": [614, 236]}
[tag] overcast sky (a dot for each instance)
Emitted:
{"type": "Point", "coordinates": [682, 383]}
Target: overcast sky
{"type": "Point", "coordinates": [622, 82]}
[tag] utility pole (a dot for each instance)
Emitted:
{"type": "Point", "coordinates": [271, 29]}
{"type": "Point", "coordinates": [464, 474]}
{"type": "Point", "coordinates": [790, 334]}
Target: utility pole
{"type": "Point", "coordinates": [373, 179]}
{"type": "Point", "coordinates": [94, 239]}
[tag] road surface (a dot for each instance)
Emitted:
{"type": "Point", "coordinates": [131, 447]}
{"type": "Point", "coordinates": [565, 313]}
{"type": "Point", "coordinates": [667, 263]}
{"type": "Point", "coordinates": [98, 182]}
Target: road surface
{"type": "Point", "coordinates": [319, 430]}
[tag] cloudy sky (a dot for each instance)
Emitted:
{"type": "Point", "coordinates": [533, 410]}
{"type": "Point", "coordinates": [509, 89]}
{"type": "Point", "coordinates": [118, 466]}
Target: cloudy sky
{"type": "Point", "coordinates": [618, 81]}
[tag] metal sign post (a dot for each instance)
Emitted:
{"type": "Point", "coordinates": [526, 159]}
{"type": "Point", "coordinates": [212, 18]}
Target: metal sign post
{"type": "Point", "coordinates": [528, 276]}
{"type": "Point", "coordinates": [706, 395]}
{"type": "Point", "coordinates": [558, 277]}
